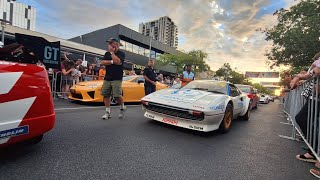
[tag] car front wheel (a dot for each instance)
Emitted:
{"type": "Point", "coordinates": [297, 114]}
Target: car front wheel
{"type": "Point", "coordinates": [227, 119]}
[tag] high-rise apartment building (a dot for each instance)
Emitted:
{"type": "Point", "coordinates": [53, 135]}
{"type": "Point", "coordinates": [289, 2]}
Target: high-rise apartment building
{"type": "Point", "coordinates": [163, 30]}
{"type": "Point", "coordinates": [18, 14]}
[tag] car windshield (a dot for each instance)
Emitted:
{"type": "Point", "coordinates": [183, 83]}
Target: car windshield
{"type": "Point", "coordinates": [245, 89]}
{"type": "Point", "coordinates": [127, 78]}
{"type": "Point", "coordinates": [209, 86]}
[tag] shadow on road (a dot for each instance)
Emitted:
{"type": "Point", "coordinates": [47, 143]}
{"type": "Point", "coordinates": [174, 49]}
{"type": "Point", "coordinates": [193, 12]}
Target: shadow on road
{"type": "Point", "coordinates": [184, 130]}
{"type": "Point", "coordinates": [17, 151]}
{"type": "Point", "coordinates": [97, 103]}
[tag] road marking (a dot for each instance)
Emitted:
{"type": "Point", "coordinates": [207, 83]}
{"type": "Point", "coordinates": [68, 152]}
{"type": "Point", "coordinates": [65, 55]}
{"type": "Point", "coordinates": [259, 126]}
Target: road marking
{"type": "Point", "coordinates": [76, 108]}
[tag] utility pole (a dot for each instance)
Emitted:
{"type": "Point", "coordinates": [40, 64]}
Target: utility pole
{"type": "Point", "coordinates": [151, 30]}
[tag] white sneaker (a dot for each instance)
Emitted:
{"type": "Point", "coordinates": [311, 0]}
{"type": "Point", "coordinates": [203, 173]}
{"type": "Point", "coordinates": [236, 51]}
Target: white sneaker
{"type": "Point", "coordinates": [122, 111]}
{"type": "Point", "coordinates": [106, 116]}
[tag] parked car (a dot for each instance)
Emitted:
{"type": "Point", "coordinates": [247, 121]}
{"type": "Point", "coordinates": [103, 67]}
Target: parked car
{"type": "Point", "coordinates": [201, 105]}
{"type": "Point", "coordinates": [264, 99]}
{"type": "Point", "coordinates": [26, 106]}
{"type": "Point", "coordinates": [272, 98]}
{"type": "Point", "coordinates": [132, 87]}
{"type": "Point", "coordinates": [251, 93]}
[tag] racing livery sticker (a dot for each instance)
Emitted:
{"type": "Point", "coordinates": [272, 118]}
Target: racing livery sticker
{"type": "Point", "coordinates": [9, 119]}
{"type": "Point", "coordinates": [170, 121]}
{"type": "Point", "coordinates": [196, 127]}
{"type": "Point", "coordinates": [240, 104]}
{"type": "Point", "coordinates": [149, 116]}
{"type": "Point", "coordinates": [14, 132]}
{"type": "Point", "coordinates": [219, 107]}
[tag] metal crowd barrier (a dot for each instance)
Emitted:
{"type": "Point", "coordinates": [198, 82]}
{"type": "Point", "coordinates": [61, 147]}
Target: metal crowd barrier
{"type": "Point", "coordinates": [293, 104]}
{"type": "Point", "coordinates": [58, 83]}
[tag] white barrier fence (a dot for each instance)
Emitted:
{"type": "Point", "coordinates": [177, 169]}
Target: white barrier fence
{"type": "Point", "coordinates": [302, 108]}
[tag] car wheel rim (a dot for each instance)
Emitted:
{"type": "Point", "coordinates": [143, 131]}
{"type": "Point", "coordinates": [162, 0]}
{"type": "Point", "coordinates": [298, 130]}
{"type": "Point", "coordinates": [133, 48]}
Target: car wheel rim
{"type": "Point", "coordinates": [113, 101]}
{"type": "Point", "coordinates": [228, 119]}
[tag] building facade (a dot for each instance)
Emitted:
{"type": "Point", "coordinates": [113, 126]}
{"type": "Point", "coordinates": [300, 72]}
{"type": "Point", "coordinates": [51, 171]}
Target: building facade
{"type": "Point", "coordinates": [18, 14]}
{"type": "Point", "coordinates": [135, 45]}
{"type": "Point", "coordinates": [163, 30]}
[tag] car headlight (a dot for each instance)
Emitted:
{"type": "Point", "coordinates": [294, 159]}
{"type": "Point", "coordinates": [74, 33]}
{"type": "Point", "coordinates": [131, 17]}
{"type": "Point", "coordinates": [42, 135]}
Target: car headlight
{"type": "Point", "coordinates": [93, 86]}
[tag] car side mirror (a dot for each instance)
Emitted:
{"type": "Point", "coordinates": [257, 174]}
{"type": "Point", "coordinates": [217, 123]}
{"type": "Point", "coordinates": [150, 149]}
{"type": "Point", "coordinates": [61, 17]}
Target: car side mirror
{"type": "Point", "coordinates": [140, 81]}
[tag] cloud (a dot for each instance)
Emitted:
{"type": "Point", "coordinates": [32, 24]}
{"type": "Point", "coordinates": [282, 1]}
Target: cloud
{"type": "Point", "coordinates": [225, 29]}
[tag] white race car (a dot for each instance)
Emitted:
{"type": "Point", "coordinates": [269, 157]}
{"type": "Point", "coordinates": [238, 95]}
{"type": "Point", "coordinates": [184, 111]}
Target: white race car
{"type": "Point", "coordinates": [202, 105]}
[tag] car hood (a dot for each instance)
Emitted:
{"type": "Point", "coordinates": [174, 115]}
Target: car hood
{"type": "Point", "coordinates": [184, 97]}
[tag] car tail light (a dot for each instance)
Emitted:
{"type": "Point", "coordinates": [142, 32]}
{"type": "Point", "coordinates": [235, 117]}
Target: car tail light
{"type": "Point", "coordinates": [145, 103]}
{"type": "Point", "coordinates": [250, 96]}
{"type": "Point", "coordinates": [196, 113]}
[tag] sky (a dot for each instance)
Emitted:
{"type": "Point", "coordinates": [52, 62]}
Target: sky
{"type": "Point", "coordinates": [225, 29]}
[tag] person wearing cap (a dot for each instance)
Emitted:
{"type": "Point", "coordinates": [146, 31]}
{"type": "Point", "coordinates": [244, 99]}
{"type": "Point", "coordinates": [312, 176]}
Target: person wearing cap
{"type": "Point", "coordinates": [187, 76]}
{"type": "Point", "coordinates": [112, 85]}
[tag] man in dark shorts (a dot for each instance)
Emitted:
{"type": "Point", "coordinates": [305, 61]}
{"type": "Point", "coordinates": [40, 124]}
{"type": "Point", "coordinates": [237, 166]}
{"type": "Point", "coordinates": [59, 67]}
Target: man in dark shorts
{"type": "Point", "coordinates": [112, 85]}
{"type": "Point", "coordinates": [150, 77]}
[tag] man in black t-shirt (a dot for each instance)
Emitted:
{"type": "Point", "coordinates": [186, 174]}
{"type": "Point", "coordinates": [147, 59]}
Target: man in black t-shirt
{"type": "Point", "coordinates": [112, 85]}
{"type": "Point", "coordinates": [150, 77]}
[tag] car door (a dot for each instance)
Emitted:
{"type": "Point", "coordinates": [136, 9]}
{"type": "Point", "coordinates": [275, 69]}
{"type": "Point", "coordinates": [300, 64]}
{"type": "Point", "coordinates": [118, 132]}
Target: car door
{"type": "Point", "coordinates": [238, 103]}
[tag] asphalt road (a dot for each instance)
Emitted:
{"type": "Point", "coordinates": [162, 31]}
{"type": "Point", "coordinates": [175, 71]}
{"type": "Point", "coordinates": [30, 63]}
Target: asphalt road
{"type": "Point", "coordinates": [82, 146]}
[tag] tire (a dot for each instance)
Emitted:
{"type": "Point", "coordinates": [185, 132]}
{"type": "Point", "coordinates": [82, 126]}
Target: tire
{"type": "Point", "coordinates": [227, 119]}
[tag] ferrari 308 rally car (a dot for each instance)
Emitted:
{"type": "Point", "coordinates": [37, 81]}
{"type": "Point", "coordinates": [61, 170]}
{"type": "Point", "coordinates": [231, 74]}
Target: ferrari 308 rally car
{"type": "Point", "coordinates": [202, 105]}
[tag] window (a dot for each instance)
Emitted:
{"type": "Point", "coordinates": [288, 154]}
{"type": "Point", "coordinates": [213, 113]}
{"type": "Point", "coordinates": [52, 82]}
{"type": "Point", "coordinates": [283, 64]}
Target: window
{"type": "Point", "coordinates": [135, 49]}
{"type": "Point", "coordinates": [129, 46]}
{"type": "Point", "coordinates": [153, 54]}
{"type": "Point", "coordinates": [234, 91]}
{"type": "Point", "coordinates": [146, 52]}
{"type": "Point", "coordinates": [141, 51]}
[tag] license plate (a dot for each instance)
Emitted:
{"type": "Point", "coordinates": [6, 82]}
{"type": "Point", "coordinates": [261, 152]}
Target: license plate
{"type": "Point", "coordinates": [170, 121]}
{"type": "Point", "coordinates": [72, 91]}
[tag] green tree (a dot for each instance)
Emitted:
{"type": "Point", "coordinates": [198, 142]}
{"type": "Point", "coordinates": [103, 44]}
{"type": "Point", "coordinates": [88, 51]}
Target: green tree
{"type": "Point", "coordinates": [237, 78]}
{"type": "Point", "coordinates": [224, 71]}
{"type": "Point", "coordinates": [262, 89]}
{"type": "Point", "coordinates": [296, 36]}
{"type": "Point", "coordinates": [231, 75]}
{"type": "Point", "coordinates": [196, 58]}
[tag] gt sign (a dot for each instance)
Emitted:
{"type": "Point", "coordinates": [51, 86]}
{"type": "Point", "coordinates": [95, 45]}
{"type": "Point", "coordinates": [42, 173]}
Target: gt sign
{"type": "Point", "coordinates": [47, 52]}
{"type": "Point", "coordinates": [51, 55]}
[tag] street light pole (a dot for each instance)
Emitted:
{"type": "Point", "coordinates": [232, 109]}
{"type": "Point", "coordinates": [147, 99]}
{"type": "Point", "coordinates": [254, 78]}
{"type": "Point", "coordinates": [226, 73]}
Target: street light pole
{"type": "Point", "coordinates": [150, 43]}
{"type": "Point", "coordinates": [150, 47]}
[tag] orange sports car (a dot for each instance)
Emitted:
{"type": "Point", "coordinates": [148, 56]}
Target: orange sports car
{"type": "Point", "coordinates": [132, 87]}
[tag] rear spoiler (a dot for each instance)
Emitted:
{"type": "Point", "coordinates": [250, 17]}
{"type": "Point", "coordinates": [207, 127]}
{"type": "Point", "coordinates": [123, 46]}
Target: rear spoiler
{"type": "Point", "coordinates": [47, 52]}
